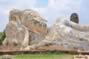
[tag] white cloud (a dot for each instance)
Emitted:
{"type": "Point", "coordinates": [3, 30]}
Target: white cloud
{"type": "Point", "coordinates": [9, 5]}
{"type": "Point", "coordinates": [58, 8]}
{"type": "Point", "coordinates": [54, 9]}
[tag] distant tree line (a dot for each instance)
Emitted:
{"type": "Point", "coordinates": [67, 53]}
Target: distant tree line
{"type": "Point", "coordinates": [2, 37]}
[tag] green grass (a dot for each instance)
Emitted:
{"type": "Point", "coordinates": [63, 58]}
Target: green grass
{"type": "Point", "coordinates": [43, 56]}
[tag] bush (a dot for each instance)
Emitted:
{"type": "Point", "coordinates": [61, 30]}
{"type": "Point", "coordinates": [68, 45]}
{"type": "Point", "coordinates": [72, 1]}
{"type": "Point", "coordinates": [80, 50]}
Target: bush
{"type": "Point", "coordinates": [2, 37]}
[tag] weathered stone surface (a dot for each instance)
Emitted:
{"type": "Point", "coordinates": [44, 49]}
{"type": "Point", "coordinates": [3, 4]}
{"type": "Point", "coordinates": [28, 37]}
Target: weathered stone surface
{"type": "Point", "coordinates": [68, 35]}
{"type": "Point", "coordinates": [28, 30]}
{"type": "Point", "coordinates": [14, 34]}
{"type": "Point", "coordinates": [24, 28]}
{"type": "Point", "coordinates": [7, 57]}
{"type": "Point", "coordinates": [81, 57]}
{"type": "Point", "coordinates": [30, 19]}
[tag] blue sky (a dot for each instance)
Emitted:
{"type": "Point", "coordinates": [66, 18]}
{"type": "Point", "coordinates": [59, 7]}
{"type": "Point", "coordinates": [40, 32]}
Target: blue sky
{"type": "Point", "coordinates": [49, 9]}
{"type": "Point", "coordinates": [42, 3]}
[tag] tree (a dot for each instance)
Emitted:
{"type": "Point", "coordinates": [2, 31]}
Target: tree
{"type": "Point", "coordinates": [74, 18]}
{"type": "Point", "coordinates": [2, 37]}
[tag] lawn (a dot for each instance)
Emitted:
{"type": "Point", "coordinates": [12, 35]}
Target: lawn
{"type": "Point", "coordinates": [43, 56]}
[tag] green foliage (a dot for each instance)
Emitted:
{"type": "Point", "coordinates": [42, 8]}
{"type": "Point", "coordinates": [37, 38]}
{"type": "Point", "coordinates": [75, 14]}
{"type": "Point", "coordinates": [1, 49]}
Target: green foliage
{"type": "Point", "coordinates": [2, 37]}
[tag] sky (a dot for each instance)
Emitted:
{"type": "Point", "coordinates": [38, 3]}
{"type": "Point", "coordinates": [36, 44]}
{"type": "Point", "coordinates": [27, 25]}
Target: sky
{"type": "Point", "coordinates": [49, 9]}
